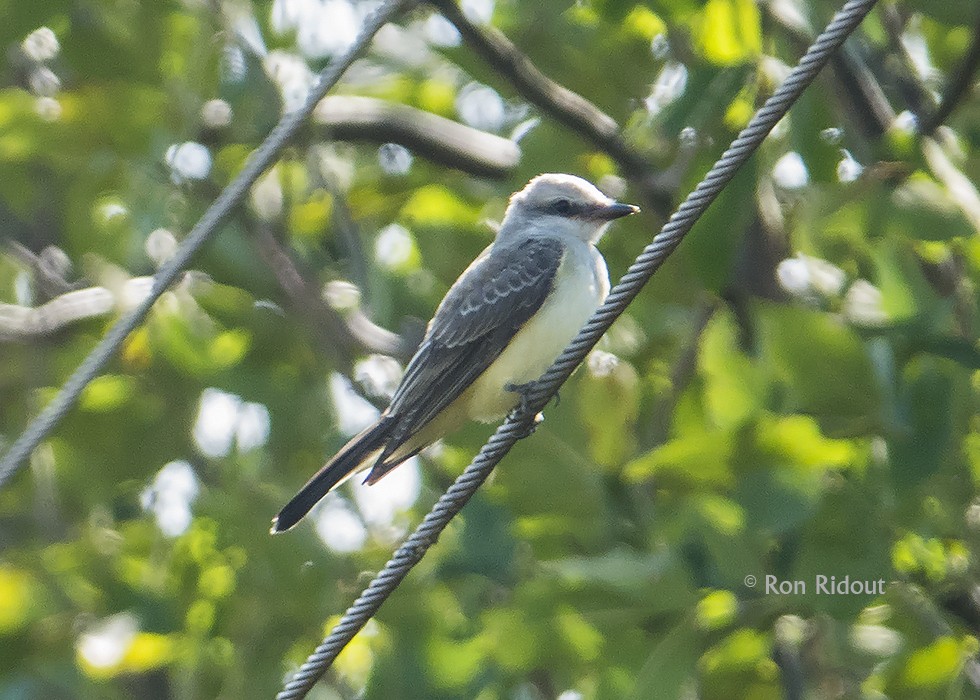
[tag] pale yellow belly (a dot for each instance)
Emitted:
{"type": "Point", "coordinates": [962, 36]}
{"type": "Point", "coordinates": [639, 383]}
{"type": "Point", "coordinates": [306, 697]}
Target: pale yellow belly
{"type": "Point", "coordinates": [582, 286]}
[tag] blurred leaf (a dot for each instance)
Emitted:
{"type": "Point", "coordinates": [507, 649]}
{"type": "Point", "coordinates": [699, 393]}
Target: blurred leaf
{"type": "Point", "coordinates": [796, 441]}
{"type": "Point", "coordinates": [954, 12]}
{"type": "Point", "coordinates": [717, 609]}
{"type": "Point", "coordinates": [585, 641]}
{"type": "Point", "coordinates": [229, 347]}
{"type": "Point", "coordinates": [692, 461]}
{"type": "Point", "coordinates": [106, 393]}
{"type": "Point", "coordinates": [434, 205]}
{"type": "Point", "coordinates": [730, 31]}
{"type": "Point", "coordinates": [622, 571]}
{"type": "Point", "coordinates": [309, 219]}
{"type": "Point", "coordinates": [17, 599]}
{"type": "Point", "coordinates": [822, 363]}
{"type": "Point", "coordinates": [922, 209]}
{"type": "Point", "coordinates": [454, 663]}
{"type": "Point", "coordinates": [904, 292]}
{"type": "Point", "coordinates": [810, 119]}
{"type": "Point", "coordinates": [514, 638]}
{"type": "Point", "coordinates": [778, 500]}
{"type": "Point", "coordinates": [718, 234]}
{"type": "Point", "coordinates": [913, 555]}
{"type": "Point", "coordinates": [740, 662]}
{"type": "Point", "coordinates": [670, 666]}
{"type": "Point", "coordinates": [608, 406]}
{"type": "Point", "coordinates": [734, 385]}
{"type": "Point", "coordinates": [356, 659]}
{"type": "Point", "coordinates": [644, 22]}
{"type": "Point", "coordinates": [486, 545]}
{"type": "Point", "coordinates": [920, 443]}
{"type": "Point", "coordinates": [935, 666]}
{"type": "Point", "coordinates": [147, 651]}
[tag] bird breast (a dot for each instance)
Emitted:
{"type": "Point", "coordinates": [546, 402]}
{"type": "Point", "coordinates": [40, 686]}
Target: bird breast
{"type": "Point", "coordinates": [581, 284]}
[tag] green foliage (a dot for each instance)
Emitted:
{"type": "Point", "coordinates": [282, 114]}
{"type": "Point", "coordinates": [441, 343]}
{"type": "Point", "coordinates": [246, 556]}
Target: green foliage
{"type": "Point", "coordinates": [795, 394]}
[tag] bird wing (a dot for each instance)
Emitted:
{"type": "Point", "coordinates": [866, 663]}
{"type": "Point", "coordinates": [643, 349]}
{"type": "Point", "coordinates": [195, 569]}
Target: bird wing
{"type": "Point", "coordinates": [471, 328]}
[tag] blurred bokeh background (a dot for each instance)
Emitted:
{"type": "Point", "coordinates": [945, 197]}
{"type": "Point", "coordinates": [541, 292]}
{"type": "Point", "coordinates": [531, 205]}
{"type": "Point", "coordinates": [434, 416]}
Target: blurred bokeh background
{"type": "Point", "coordinates": [795, 394]}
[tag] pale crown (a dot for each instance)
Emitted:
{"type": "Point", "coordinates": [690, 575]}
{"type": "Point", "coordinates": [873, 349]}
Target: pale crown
{"type": "Point", "coordinates": [560, 205]}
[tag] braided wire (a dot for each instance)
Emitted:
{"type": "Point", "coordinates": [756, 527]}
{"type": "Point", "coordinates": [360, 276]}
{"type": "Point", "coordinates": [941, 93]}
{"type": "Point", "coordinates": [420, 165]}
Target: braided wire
{"type": "Point", "coordinates": [264, 156]}
{"type": "Point", "coordinates": [516, 426]}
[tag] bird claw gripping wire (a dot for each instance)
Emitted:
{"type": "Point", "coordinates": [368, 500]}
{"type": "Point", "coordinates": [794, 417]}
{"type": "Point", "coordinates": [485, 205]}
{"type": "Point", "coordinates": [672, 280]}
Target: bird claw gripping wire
{"type": "Point", "coordinates": [521, 412]}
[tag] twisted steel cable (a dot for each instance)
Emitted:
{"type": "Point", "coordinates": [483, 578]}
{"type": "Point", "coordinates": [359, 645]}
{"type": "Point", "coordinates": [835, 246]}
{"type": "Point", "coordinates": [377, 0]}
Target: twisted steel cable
{"type": "Point", "coordinates": [263, 157]}
{"type": "Point", "coordinates": [516, 426]}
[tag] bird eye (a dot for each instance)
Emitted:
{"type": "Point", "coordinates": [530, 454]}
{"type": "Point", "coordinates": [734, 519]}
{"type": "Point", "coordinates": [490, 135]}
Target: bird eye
{"type": "Point", "coordinates": [562, 207]}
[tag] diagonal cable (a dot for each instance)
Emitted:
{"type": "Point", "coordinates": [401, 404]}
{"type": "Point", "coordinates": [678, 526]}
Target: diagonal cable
{"type": "Point", "coordinates": [516, 426]}
{"type": "Point", "coordinates": [263, 157]}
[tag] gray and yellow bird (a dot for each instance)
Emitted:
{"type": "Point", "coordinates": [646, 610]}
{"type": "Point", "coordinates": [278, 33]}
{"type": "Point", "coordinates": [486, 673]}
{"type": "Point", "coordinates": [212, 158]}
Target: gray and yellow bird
{"type": "Point", "coordinates": [500, 326]}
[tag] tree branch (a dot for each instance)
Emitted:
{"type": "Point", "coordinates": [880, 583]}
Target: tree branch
{"type": "Point", "coordinates": [855, 87]}
{"type": "Point", "coordinates": [441, 140]}
{"type": "Point", "coordinates": [917, 94]}
{"type": "Point", "coordinates": [49, 268]}
{"type": "Point", "coordinates": [961, 83]}
{"type": "Point", "coordinates": [25, 323]}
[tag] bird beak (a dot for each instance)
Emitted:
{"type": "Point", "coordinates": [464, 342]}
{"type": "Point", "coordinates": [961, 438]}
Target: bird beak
{"type": "Point", "coordinates": [615, 210]}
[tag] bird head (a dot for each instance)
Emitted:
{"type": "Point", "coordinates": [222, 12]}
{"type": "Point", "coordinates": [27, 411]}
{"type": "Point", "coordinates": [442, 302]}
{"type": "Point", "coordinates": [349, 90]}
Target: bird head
{"type": "Point", "coordinates": [563, 205]}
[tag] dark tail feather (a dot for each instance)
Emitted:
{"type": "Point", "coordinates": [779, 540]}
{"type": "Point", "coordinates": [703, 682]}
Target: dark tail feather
{"type": "Point", "coordinates": [333, 472]}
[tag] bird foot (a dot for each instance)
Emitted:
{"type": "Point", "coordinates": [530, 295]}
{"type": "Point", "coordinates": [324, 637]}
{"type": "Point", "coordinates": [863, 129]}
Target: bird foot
{"type": "Point", "coordinates": [523, 392]}
{"type": "Point", "coordinates": [521, 410]}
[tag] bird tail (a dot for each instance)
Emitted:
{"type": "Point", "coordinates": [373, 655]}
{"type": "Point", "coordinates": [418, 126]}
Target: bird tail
{"type": "Point", "coordinates": [355, 453]}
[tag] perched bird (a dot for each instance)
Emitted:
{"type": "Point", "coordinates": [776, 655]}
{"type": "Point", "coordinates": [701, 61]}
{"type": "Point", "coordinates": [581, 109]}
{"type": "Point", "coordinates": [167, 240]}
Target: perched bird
{"type": "Point", "coordinates": [500, 326]}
